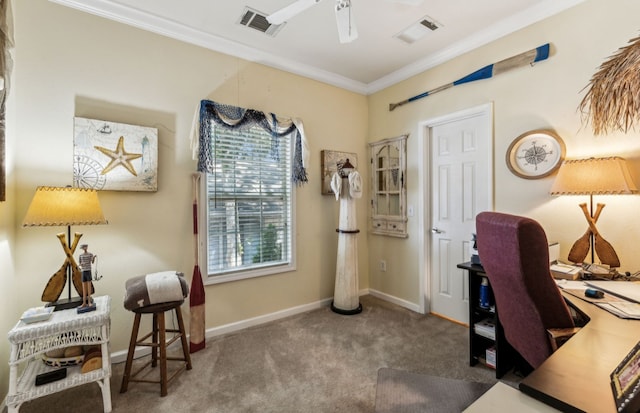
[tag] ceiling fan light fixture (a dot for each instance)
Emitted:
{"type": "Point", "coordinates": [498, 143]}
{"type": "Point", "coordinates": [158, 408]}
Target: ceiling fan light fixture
{"type": "Point", "coordinates": [418, 30]}
{"type": "Point", "coordinates": [347, 31]}
{"type": "Point", "coordinates": [409, 2]}
{"type": "Point", "coordinates": [293, 9]}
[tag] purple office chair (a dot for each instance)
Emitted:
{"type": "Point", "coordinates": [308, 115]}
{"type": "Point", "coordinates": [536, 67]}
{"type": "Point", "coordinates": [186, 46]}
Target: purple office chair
{"type": "Point", "coordinates": [515, 255]}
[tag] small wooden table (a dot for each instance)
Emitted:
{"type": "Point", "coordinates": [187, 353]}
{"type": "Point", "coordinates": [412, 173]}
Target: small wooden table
{"type": "Point", "coordinates": [65, 328]}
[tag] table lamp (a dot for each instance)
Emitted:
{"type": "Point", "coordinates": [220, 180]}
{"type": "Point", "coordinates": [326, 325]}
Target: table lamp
{"type": "Point", "coordinates": [60, 206]}
{"type": "Point", "coordinates": [593, 176]}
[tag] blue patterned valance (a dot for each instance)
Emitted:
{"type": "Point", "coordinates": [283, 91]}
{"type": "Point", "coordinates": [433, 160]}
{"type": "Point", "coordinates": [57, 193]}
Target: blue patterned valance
{"type": "Point", "coordinates": [232, 117]}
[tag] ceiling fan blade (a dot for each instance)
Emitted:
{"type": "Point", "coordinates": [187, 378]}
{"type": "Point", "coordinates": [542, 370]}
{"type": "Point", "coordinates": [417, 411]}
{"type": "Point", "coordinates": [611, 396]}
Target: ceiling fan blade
{"type": "Point", "coordinates": [347, 31]}
{"type": "Point", "coordinates": [410, 2]}
{"type": "Point", "coordinates": [287, 12]}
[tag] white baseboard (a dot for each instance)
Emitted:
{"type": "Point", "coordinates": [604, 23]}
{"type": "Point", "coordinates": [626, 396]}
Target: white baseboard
{"type": "Point", "coordinates": [121, 356]}
{"type": "Point", "coordinates": [250, 322]}
{"type": "Point", "coordinates": [395, 300]}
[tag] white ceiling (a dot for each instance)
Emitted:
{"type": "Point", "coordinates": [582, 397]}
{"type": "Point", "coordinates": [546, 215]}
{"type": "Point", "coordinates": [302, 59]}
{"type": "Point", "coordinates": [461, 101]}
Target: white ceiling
{"type": "Point", "coordinates": [308, 43]}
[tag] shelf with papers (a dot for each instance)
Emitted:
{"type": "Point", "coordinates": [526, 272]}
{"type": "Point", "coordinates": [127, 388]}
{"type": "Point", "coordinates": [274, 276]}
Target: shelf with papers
{"type": "Point", "coordinates": [482, 340]}
{"type": "Point", "coordinates": [486, 328]}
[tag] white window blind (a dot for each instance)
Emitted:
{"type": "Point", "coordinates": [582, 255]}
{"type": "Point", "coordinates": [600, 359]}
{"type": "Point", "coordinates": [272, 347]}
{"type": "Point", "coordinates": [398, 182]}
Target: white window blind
{"type": "Point", "coordinates": [249, 197]}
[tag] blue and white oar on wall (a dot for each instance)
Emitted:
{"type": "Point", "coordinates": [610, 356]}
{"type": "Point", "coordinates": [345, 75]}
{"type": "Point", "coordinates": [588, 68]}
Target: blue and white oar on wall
{"type": "Point", "coordinates": [489, 71]}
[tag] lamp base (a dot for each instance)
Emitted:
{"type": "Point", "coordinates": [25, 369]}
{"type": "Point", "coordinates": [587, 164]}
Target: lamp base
{"type": "Point", "coordinates": [65, 303]}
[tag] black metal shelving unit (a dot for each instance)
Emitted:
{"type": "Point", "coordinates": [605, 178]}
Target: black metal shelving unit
{"type": "Point", "coordinates": [478, 344]}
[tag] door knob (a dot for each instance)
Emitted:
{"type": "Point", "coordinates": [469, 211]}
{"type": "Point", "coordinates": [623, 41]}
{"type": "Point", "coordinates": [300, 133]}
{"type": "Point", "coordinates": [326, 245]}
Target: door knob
{"type": "Point", "coordinates": [436, 231]}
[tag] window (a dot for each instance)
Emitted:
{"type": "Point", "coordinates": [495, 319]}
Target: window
{"type": "Point", "coordinates": [249, 204]}
{"type": "Point", "coordinates": [252, 161]}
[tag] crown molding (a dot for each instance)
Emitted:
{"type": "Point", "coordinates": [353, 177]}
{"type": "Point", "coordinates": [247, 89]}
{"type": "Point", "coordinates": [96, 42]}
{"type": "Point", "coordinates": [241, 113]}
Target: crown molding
{"type": "Point", "coordinates": [169, 28]}
{"type": "Point", "coordinates": [519, 21]}
{"type": "Point", "coordinates": [165, 27]}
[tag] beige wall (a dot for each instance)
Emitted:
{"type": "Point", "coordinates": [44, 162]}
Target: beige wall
{"type": "Point", "coordinates": [69, 63]}
{"type": "Point", "coordinates": [73, 64]}
{"type": "Point", "coordinates": [8, 279]}
{"type": "Point", "coordinates": [545, 96]}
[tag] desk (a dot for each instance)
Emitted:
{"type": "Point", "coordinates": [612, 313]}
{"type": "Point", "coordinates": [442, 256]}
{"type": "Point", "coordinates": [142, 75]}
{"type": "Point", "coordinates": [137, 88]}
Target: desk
{"type": "Point", "coordinates": [502, 398]}
{"type": "Point", "coordinates": [63, 329]}
{"type": "Point", "coordinates": [576, 377]}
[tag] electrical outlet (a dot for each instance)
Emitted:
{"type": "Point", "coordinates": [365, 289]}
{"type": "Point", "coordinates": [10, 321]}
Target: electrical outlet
{"type": "Point", "coordinates": [383, 265]}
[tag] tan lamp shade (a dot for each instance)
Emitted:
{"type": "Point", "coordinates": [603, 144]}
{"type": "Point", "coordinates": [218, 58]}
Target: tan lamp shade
{"type": "Point", "coordinates": [603, 176]}
{"type": "Point", "coordinates": [64, 206]}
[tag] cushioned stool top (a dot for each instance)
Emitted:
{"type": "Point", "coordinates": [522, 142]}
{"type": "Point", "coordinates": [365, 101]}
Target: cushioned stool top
{"type": "Point", "coordinates": [158, 308]}
{"type": "Point", "coordinates": [155, 288]}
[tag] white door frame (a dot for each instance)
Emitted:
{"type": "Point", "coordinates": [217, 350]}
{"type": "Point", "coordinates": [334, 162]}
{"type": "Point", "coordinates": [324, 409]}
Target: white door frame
{"type": "Point", "coordinates": [424, 201]}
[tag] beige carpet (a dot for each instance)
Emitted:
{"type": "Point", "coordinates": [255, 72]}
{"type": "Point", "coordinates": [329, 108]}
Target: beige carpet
{"type": "Point", "coordinates": [400, 391]}
{"type": "Point", "coordinates": [319, 362]}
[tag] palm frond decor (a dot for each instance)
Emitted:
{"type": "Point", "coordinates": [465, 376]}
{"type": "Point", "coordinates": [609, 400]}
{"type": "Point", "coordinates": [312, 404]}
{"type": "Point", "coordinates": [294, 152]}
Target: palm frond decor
{"type": "Point", "coordinates": [612, 102]}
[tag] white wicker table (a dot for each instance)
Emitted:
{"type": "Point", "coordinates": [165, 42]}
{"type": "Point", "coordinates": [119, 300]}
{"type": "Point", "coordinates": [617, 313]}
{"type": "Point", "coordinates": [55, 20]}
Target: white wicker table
{"type": "Point", "coordinates": [65, 328]}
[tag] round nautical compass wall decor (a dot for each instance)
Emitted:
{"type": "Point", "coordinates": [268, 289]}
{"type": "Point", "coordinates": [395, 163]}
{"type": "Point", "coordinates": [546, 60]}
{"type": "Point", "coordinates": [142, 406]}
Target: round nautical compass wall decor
{"type": "Point", "coordinates": [535, 154]}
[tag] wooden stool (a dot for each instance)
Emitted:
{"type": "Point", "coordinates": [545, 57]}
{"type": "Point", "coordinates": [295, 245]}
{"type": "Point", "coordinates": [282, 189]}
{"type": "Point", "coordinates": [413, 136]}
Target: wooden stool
{"type": "Point", "coordinates": [158, 337]}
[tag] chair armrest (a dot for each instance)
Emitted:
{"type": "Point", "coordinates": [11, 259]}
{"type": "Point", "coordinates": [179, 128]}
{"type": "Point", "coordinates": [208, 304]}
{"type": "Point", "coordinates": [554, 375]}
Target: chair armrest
{"type": "Point", "coordinates": [580, 319]}
{"type": "Point", "coordinates": [559, 336]}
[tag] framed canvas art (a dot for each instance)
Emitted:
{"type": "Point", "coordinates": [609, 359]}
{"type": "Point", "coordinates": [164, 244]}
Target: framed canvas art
{"type": "Point", "coordinates": [114, 156]}
{"type": "Point", "coordinates": [329, 165]}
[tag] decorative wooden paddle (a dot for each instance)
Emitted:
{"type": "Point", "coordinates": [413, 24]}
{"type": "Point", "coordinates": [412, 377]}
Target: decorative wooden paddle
{"type": "Point", "coordinates": [603, 248]}
{"type": "Point", "coordinates": [56, 283]}
{"type": "Point", "coordinates": [76, 274]}
{"type": "Point", "coordinates": [197, 295]}
{"type": "Point", "coordinates": [581, 247]}
{"type": "Point", "coordinates": [527, 58]}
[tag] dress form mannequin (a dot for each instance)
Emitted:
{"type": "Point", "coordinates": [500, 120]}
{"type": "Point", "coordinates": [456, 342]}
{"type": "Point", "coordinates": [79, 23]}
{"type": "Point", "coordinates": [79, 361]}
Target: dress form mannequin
{"type": "Point", "coordinates": [347, 186]}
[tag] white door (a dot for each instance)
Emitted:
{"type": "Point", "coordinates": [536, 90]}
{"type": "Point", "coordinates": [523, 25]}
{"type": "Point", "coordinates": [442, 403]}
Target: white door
{"type": "Point", "coordinates": [461, 186]}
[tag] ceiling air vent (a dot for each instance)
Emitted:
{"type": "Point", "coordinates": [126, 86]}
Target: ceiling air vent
{"type": "Point", "coordinates": [258, 21]}
{"type": "Point", "coordinates": [418, 30]}
{"type": "Point", "coordinates": [429, 24]}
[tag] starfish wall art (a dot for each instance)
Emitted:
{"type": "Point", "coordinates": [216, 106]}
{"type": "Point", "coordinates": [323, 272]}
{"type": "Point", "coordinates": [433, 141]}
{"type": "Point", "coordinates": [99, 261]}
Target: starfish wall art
{"type": "Point", "coordinates": [114, 156]}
